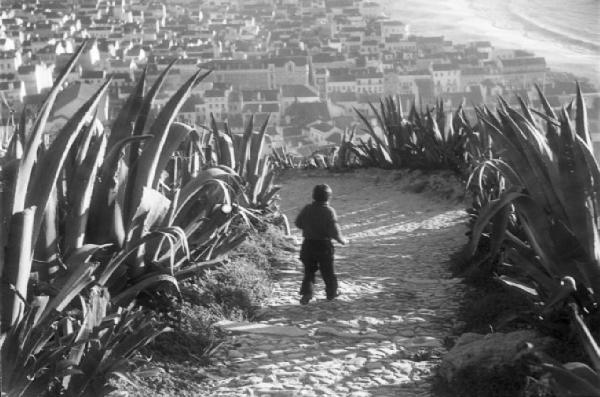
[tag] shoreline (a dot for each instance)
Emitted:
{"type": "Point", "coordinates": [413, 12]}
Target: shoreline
{"type": "Point", "coordinates": [466, 20]}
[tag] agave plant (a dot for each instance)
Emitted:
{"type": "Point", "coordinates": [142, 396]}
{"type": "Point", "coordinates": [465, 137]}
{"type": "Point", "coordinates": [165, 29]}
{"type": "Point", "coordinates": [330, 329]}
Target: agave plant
{"type": "Point", "coordinates": [551, 186]}
{"type": "Point", "coordinates": [92, 207]}
{"type": "Point", "coordinates": [536, 208]}
{"type": "Point", "coordinates": [74, 353]}
{"type": "Point", "coordinates": [572, 378]}
{"type": "Point", "coordinates": [244, 154]}
{"type": "Point", "coordinates": [429, 139]}
{"type": "Point", "coordinates": [282, 159]}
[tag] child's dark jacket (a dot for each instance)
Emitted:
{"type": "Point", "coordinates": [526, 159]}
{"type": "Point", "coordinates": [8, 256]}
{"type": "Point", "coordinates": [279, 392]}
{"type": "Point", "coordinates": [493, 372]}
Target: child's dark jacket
{"type": "Point", "coordinates": [318, 221]}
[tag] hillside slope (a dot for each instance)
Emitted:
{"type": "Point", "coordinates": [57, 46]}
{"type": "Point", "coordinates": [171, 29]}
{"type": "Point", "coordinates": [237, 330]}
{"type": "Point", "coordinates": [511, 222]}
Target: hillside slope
{"type": "Point", "coordinates": [386, 331]}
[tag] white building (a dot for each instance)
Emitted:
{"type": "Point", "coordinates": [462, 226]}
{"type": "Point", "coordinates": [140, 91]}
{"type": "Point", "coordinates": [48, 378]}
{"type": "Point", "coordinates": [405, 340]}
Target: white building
{"type": "Point", "coordinates": [446, 77]}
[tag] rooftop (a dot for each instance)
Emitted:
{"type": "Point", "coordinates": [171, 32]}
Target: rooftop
{"type": "Point", "coordinates": [297, 91]}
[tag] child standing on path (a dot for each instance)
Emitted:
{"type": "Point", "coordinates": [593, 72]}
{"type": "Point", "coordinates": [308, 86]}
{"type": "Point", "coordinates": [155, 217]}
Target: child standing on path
{"type": "Point", "coordinates": [319, 226]}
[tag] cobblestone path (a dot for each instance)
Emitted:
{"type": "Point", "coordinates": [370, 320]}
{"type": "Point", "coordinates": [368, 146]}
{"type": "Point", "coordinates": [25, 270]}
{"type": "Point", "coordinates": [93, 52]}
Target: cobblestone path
{"type": "Point", "coordinates": [385, 334]}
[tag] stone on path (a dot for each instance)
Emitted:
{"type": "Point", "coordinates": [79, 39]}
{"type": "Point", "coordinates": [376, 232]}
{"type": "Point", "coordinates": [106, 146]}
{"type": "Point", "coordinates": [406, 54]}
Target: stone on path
{"type": "Point", "coordinates": [333, 332]}
{"type": "Point", "coordinates": [241, 327]}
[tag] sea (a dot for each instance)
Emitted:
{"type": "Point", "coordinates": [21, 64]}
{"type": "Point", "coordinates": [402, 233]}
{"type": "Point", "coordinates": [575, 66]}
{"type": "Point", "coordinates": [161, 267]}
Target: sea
{"type": "Point", "coordinates": [565, 32]}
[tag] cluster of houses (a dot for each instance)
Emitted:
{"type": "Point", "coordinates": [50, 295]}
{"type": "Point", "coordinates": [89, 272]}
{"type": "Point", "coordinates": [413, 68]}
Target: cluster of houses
{"type": "Point", "coordinates": [305, 64]}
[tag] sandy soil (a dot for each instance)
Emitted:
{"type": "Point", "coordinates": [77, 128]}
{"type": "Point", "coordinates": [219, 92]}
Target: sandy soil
{"type": "Point", "coordinates": [386, 333]}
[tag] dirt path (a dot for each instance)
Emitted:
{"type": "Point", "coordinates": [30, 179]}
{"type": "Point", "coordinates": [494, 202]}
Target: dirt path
{"type": "Point", "coordinates": [384, 335]}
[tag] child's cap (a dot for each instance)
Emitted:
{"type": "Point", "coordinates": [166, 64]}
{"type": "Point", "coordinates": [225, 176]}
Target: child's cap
{"type": "Point", "coordinates": [322, 193]}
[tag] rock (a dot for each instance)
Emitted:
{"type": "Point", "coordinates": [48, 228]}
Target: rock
{"type": "Point", "coordinates": [242, 327]}
{"type": "Point", "coordinates": [481, 358]}
{"type": "Point", "coordinates": [335, 332]}
{"type": "Point", "coordinates": [292, 356]}
{"type": "Point", "coordinates": [358, 361]}
{"type": "Point", "coordinates": [423, 341]}
{"type": "Point", "coordinates": [255, 380]}
{"type": "Point", "coordinates": [281, 393]}
{"type": "Point", "coordinates": [403, 366]}
{"type": "Point", "coordinates": [412, 320]}
{"type": "Point", "coordinates": [406, 332]}
{"type": "Point", "coordinates": [235, 354]}
{"type": "Point", "coordinates": [374, 365]}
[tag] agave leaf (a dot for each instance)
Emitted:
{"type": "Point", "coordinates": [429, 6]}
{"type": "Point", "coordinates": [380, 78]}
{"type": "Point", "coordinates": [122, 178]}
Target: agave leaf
{"type": "Point", "coordinates": [17, 268]}
{"type": "Point", "coordinates": [81, 277]}
{"type": "Point", "coordinates": [155, 206]}
{"type": "Point", "coordinates": [225, 242]}
{"type": "Point", "coordinates": [581, 119]}
{"type": "Point", "coordinates": [506, 170]}
{"type": "Point", "coordinates": [47, 172]}
{"type": "Point", "coordinates": [573, 257]}
{"type": "Point", "coordinates": [148, 161]}
{"type": "Point", "coordinates": [83, 254]}
{"type": "Point", "coordinates": [369, 127]}
{"type": "Point", "coordinates": [575, 185]}
{"type": "Point", "coordinates": [499, 225]}
{"type": "Point", "coordinates": [526, 111]}
{"type": "Point", "coordinates": [46, 247]}
{"type": "Point", "coordinates": [536, 226]}
{"type": "Point", "coordinates": [258, 184]}
{"type": "Point", "coordinates": [226, 150]}
{"type": "Point", "coordinates": [545, 104]}
{"type": "Point", "coordinates": [22, 128]}
{"type": "Point", "coordinates": [151, 211]}
{"type": "Point", "coordinates": [177, 134]}
{"type": "Point", "coordinates": [594, 169]}
{"type": "Point", "coordinates": [138, 129]}
{"type": "Point", "coordinates": [81, 195]}
{"type": "Point", "coordinates": [107, 271]}
{"type": "Point", "coordinates": [486, 214]}
{"type": "Point", "coordinates": [256, 152]}
{"type": "Point", "coordinates": [383, 124]}
{"type": "Point", "coordinates": [85, 139]}
{"type": "Point", "coordinates": [213, 176]}
{"type": "Point", "coordinates": [122, 127]}
{"type": "Point", "coordinates": [14, 150]}
{"type": "Point", "coordinates": [569, 383]}
{"type": "Point", "coordinates": [584, 372]}
{"type": "Point", "coordinates": [31, 148]}
{"type": "Point", "coordinates": [269, 195]}
{"type": "Point", "coordinates": [268, 183]}
{"type": "Point", "coordinates": [98, 305]}
{"type": "Point", "coordinates": [148, 281]}
{"type": "Point", "coordinates": [522, 287]}
{"type": "Point", "coordinates": [216, 134]}
{"type": "Point", "coordinates": [142, 116]}
{"type": "Point", "coordinates": [111, 177]}
{"type": "Point", "coordinates": [589, 343]}
{"type": "Point", "coordinates": [124, 377]}
{"type": "Point", "coordinates": [523, 157]}
{"type": "Point", "coordinates": [145, 333]}
{"type": "Point", "coordinates": [529, 265]}
{"type": "Point", "coordinates": [242, 159]}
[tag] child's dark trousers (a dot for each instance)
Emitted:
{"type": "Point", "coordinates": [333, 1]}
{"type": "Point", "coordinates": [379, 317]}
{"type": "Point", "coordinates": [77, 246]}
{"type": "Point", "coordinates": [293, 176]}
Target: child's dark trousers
{"type": "Point", "coordinates": [318, 255]}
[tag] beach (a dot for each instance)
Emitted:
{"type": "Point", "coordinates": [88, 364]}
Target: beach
{"type": "Point", "coordinates": [568, 37]}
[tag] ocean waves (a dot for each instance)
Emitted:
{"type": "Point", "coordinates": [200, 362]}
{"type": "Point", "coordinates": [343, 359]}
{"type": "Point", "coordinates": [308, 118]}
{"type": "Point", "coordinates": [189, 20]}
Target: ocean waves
{"type": "Point", "coordinates": [565, 22]}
